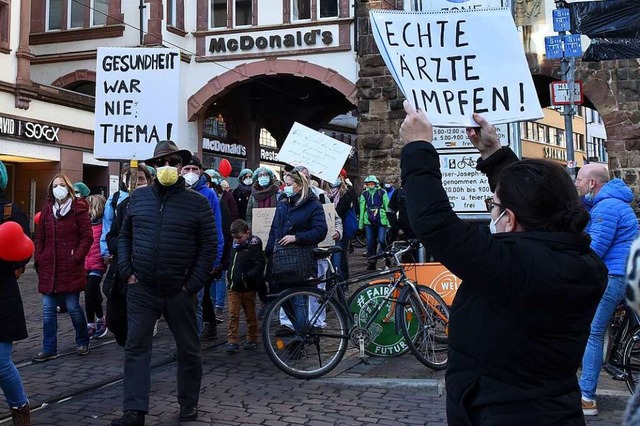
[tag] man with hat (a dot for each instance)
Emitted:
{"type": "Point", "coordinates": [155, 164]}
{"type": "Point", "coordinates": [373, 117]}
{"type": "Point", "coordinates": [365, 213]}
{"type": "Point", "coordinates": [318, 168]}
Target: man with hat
{"type": "Point", "coordinates": [166, 248]}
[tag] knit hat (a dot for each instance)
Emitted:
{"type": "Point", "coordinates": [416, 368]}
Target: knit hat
{"type": "Point", "coordinates": [343, 173]}
{"type": "Point", "coordinates": [82, 189]}
{"type": "Point", "coordinates": [215, 176]}
{"type": "Point", "coordinates": [225, 185]}
{"type": "Point", "coordinates": [244, 172]}
{"type": "Point", "coordinates": [152, 171]}
{"type": "Point", "coordinates": [261, 170]}
{"type": "Point", "coordinates": [4, 176]}
{"type": "Point", "coordinates": [372, 178]}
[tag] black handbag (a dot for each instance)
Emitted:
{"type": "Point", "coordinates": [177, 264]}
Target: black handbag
{"type": "Point", "coordinates": [293, 264]}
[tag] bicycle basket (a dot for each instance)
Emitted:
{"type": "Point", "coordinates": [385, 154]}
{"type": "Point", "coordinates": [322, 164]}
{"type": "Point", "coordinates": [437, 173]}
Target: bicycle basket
{"type": "Point", "coordinates": [293, 264]}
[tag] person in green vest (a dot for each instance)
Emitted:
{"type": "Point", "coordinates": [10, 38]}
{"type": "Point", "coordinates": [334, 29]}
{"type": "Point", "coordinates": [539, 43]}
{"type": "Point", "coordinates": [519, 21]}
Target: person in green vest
{"type": "Point", "coordinates": [373, 217]}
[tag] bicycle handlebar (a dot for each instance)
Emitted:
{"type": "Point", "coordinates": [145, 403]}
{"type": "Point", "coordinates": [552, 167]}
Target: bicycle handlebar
{"type": "Point", "coordinates": [398, 248]}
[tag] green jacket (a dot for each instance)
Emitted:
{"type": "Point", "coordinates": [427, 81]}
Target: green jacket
{"type": "Point", "coordinates": [373, 204]}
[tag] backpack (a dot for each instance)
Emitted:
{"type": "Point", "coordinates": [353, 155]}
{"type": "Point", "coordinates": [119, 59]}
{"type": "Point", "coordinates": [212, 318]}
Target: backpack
{"type": "Point", "coordinates": [350, 223]}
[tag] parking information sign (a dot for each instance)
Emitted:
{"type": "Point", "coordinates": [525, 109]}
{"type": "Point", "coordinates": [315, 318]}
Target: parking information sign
{"type": "Point", "coordinates": [573, 46]}
{"type": "Point", "coordinates": [553, 47]}
{"type": "Point", "coordinates": [561, 20]}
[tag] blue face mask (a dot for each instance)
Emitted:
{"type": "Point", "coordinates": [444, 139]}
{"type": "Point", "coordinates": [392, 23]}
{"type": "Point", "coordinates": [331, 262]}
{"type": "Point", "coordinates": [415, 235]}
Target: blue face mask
{"type": "Point", "coordinates": [288, 191]}
{"type": "Point", "coordinates": [263, 180]}
{"type": "Point", "coordinates": [336, 183]}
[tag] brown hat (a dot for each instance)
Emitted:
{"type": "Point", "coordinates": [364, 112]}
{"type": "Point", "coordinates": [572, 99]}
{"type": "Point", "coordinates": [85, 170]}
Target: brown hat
{"type": "Point", "coordinates": [164, 148]}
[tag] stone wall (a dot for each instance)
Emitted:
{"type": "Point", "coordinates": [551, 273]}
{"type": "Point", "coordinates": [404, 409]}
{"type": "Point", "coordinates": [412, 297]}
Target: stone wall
{"type": "Point", "coordinates": [612, 86]}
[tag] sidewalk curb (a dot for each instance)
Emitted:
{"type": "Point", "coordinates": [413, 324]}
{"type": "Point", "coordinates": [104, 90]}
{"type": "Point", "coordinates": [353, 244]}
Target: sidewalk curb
{"type": "Point", "coordinates": [431, 386]}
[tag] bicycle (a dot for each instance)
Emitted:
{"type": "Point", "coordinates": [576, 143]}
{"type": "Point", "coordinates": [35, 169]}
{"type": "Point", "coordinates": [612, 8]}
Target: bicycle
{"type": "Point", "coordinates": [323, 326]}
{"type": "Point", "coordinates": [621, 350]}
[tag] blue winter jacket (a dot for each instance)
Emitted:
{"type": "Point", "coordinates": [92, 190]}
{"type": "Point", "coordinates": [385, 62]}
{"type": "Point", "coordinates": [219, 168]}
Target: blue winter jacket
{"type": "Point", "coordinates": [306, 221]}
{"type": "Point", "coordinates": [203, 188]}
{"type": "Point", "coordinates": [613, 225]}
{"type": "Point", "coordinates": [107, 219]}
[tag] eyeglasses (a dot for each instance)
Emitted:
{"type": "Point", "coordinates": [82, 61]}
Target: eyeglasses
{"type": "Point", "coordinates": [491, 204]}
{"type": "Point", "coordinates": [173, 161]}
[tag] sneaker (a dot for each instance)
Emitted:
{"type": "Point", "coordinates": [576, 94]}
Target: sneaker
{"type": "Point", "coordinates": [283, 331]}
{"type": "Point", "coordinates": [589, 408]}
{"type": "Point", "coordinates": [44, 356]}
{"type": "Point", "coordinates": [101, 329]}
{"type": "Point", "coordinates": [130, 418]}
{"type": "Point", "coordinates": [91, 330]}
{"type": "Point", "coordinates": [82, 350]}
{"type": "Point", "coordinates": [219, 314]}
{"type": "Point", "coordinates": [232, 348]}
{"type": "Point", "coordinates": [249, 345]}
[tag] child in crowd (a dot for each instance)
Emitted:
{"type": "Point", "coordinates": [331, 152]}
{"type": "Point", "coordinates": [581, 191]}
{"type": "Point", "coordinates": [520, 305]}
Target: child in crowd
{"type": "Point", "coordinates": [245, 275]}
{"type": "Point", "coordinates": [95, 267]}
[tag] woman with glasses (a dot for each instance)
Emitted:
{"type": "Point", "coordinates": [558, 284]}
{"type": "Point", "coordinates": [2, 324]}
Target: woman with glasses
{"type": "Point", "coordinates": [63, 240]}
{"type": "Point", "coordinates": [521, 317]}
{"type": "Point", "coordinates": [264, 192]}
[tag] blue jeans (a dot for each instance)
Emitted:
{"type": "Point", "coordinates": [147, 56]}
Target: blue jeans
{"type": "Point", "coordinates": [10, 380]}
{"type": "Point", "coordinates": [592, 359]}
{"type": "Point", "coordinates": [376, 235]}
{"type": "Point", "coordinates": [50, 321]}
{"type": "Point", "coordinates": [219, 291]}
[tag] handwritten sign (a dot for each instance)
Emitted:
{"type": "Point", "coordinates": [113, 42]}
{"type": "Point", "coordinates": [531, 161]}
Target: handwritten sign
{"type": "Point", "coordinates": [137, 93]}
{"type": "Point", "coordinates": [321, 154]}
{"type": "Point", "coordinates": [261, 220]}
{"type": "Point", "coordinates": [453, 64]}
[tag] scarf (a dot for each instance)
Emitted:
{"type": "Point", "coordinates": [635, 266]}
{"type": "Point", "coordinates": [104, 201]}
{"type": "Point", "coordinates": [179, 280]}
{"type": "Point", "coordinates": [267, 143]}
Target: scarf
{"type": "Point", "coordinates": [261, 194]}
{"type": "Point", "coordinates": [61, 210]}
{"type": "Point", "coordinates": [243, 190]}
{"type": "Point", "coordinates": [334, 195]}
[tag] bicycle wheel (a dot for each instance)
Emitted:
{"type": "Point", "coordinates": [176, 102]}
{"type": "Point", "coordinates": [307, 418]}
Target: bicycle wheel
{"type": "Point", "coordinates": [428, 339]}
{"type": "Point", "coordinates": [631, 361]}
{"type": "Point", "coordinates": [386, 338]}
{"type": "Point", "coordinates": [316, 337]}
{"type": "Point", "coordinates": [359, 240]}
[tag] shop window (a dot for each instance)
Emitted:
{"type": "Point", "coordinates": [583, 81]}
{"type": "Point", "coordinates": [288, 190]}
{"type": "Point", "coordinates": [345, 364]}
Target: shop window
{"type": "Point", "coordinates": [266, 139]}
{"type": "Point", "coordinates": [5, 20]}
{"type": "Point", "coordinates": [215, 127]}
{"type": "Point", "coordinates": [70, 14]}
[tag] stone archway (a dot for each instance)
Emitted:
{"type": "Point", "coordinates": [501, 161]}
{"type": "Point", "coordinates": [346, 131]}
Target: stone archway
{"type": "Point", "coordinates": [74, 77]}
{"type": "Point", "coordinates": [219, 85]}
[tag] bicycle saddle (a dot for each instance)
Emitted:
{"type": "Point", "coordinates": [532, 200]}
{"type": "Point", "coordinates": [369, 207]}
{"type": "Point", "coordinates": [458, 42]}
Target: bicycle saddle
{"type": "Point", "coordinates": [323, 253]}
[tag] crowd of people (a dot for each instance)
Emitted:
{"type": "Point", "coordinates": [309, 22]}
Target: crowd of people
{"type": "Point", "coordinates": [176, 241]}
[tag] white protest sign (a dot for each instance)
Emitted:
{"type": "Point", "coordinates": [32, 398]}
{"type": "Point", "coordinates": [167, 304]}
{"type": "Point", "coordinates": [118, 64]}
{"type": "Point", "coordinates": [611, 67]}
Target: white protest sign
{"type": "Point", "coordinates": [321, 154]}
{"type": "Point", "coordinates": [446, 5]}
{"type": "Point", "coordinates": [466, 187]}
{"type": "Point", "coordinates": [453, 64]}
{"type": "Point", "coordinates": [262, 218]}
{"type": "Point", "coordinates": [137, 101]}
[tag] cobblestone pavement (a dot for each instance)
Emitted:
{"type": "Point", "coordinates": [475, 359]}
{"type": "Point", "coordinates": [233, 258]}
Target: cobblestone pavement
{"type": "Point", "coordinates": [244, 388]}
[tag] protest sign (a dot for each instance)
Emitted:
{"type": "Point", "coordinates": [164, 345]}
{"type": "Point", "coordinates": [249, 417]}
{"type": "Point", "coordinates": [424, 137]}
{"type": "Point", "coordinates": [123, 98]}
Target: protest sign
{"type": "Point", "coordinates": [446, 5]}
{"type": "Point", "coordinates": [137, 101]}
{"type": "Point", "coordinates": [453, 64]}
{"type": "Point", "coordinates": [321, 154]}
{"type": "Point", "coordinates": [261, 220]}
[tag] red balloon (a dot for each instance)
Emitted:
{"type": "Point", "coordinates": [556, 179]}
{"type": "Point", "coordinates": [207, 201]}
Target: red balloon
{"type": "Point", "coordinates": [225, 168]}
{"type": "Point", "coordinates": [36, 218]}
{"type": "Point", "coordinates": [14, 245]}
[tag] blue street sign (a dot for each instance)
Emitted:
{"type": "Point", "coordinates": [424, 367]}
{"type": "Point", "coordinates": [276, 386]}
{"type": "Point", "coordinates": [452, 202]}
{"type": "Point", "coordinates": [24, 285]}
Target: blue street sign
{"type": "Point", "coordinates": [553, 47]}
{"type": "Point", "coordinates": [573, 46]}
{"type": "Point", "coordinates": [561, 20]}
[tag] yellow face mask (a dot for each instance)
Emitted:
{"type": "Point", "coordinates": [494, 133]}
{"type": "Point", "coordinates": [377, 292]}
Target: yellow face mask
{"type": "Point", "coordinates": [167, 175]}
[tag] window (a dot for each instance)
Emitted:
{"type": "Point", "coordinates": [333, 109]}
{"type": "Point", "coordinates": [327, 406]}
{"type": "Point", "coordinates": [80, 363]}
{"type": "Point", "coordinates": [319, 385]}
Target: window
{"type": "Point", "coordinates": [542, 133]}
{"type": "Point", "coordinates": [560, 137]}
{"type": "Point", "coordinates": [266, 139]}
{"type": "Point", "coordinates": [218, 13]}
{"type": "Point", "coordinates": [5, 13]}
{"type": "Point", "coordinates": [301, 10]}
{"type": "Point", "coordinates": [578, 142]}
{"type": "Point", "coordinates": [171, 13]}
{"type": "Point", "coordinates": [242, 12]}
{"type": "Point", "coordinates": [305, 9]}
{"type": "Point", "coordinates": [99, 10]}
{"type": "Point", "coordinates": [69, 14]}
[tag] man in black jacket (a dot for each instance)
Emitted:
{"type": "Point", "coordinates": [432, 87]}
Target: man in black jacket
{"type": "Point", "coordinates": [166, 248]}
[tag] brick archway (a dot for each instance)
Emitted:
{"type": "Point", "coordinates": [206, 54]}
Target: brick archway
{"type": "Point", "coordinates": [75, 76]}
{"type": "Point", "coordinates": [218, 85]}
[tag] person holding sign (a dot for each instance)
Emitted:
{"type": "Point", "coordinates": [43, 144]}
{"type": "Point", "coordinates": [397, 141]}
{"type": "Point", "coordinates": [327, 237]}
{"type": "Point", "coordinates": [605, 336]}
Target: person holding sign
{"type": "Point", "coordinates": [264, 192]}
{"type": "Point", "coordinates": [520, 320]}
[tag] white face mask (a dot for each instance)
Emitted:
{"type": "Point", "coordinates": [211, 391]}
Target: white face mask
{"type": "Point", "coordinates": [247, 181]}
{"type": "Point", "coordinates": [492, 225]}
{"type": "Point", "coordinates": [191, 178]}
{"type": "Point", "coordinates": [60, 192]}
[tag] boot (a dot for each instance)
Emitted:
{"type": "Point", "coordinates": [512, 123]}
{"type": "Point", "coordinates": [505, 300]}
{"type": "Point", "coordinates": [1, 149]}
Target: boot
{"type": "Point", "coordinates": [21, 416]}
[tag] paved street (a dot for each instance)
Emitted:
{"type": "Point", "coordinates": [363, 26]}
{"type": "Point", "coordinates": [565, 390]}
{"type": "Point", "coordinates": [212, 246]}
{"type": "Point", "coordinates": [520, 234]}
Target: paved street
{"type": "Point", "coordinates": [244, 388]}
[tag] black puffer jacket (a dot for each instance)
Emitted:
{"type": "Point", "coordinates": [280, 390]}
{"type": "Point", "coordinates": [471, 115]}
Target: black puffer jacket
{"type": "Point", "coordinates": [521, 317]}
{"type": "Point", "coordinates": [168, 239]}
{"type": "Point", "coordinates": [246, 271]}
{"type": "Point", "coordinates": [12, 323]}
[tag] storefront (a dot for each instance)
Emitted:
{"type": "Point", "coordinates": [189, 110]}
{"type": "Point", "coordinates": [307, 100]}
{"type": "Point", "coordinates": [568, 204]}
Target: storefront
{"type": "Point", "coordinates": [220, 141]}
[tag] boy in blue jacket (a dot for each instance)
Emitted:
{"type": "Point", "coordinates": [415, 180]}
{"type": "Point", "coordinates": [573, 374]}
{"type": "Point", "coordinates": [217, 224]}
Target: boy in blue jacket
{"type": "Point", "coordinates": [245, 275]}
